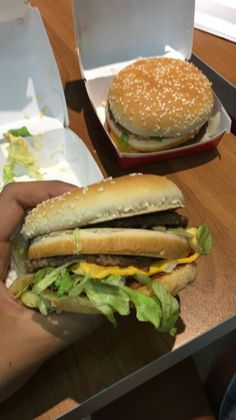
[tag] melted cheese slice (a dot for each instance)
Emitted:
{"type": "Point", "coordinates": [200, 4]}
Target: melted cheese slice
{"type": "Point", "coordinates": [100, 272]}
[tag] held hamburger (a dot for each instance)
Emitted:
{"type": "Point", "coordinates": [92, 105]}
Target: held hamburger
{"type": "Point", "coordinates": [157, 103]}
{"type": "Point", "coordinates": [111, 246]}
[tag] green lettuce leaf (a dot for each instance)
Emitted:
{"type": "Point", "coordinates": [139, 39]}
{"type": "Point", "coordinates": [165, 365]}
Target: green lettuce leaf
{"type": "Point", "coordinates": [107, 298]}
{"type": "Point", "coordinates": [114, 279]}
{"type": "Point", "coordinates": [204, 238]}
{"type": "Point", "coordinates": [143, 279]}
{"type": "Point", "coordinates": [40, 274]}
{"type": "Point", "coordinates": [123, 142]}
{"type": "Point", "coordinates": [108, 312]}
{"type": "Point", "coordinates": [124, 139]}
{"type": "Point", "coordinates": [43, 307]}
{"type": "Point", "coordinates": [78, 287]}
{"type": "Point", "coordinates": [65, 283]}
{"type": "Point", "coordinates": [170, 308]}
{"type": "Point", "coordinates": [20, 132]}
{"type": "Point", "coordinates": [147, 308]}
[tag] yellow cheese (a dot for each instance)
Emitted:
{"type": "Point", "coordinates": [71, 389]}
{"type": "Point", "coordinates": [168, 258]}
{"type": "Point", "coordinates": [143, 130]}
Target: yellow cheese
{"type": "Point", "coordinates": [122, 147]}
{"type": "Point", "coordinates": [100, 272]}
{"type": "Point", "coordinates": [189, 259]}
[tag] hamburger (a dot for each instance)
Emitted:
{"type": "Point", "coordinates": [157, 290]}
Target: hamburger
{"type": "Point", "coordinates": [115, 245]}
{"type": "Point", "coordinates": [156, 104]}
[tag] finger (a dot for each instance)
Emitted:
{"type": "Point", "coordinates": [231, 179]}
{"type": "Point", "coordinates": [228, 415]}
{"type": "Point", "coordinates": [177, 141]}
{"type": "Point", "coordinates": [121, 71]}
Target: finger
{"type": "Point", "coordinates": [29, 194]}
{"type": "Point", "coordinates": [9, 304]}
{"type": "Point", "coordinates": [5, 255]}
{"type": "Point", "coordinates": [16, 198]}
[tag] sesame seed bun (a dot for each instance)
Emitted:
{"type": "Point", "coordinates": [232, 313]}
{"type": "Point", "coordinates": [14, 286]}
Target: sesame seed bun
{"type": "Point", "coordinates": [141, 242]}
{"type": "Point", "coordinates": [54, 242]}
{"type": "Point", "coordinates": [159, 97]}
{"type": "Point", "coordinates": [106, 200]}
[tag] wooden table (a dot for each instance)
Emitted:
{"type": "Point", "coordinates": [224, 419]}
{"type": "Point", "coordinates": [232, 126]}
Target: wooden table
{"type": "Point", "coordinates": [108, 362]}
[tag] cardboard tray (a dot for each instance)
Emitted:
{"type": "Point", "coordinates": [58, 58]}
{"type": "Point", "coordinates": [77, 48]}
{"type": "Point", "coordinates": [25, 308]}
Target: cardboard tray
{"type": "Point", "coordinates": [109, 38]}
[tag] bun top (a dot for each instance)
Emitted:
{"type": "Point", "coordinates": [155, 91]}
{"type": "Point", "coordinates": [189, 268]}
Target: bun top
{"type": "Point", "coordinates": [106, 200]}
{"type": "Point", "coordinates": [160, 97]}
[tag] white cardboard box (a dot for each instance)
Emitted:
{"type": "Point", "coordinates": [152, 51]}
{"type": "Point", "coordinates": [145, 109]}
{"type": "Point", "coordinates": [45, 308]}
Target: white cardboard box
{"type": "Point", "coordinates": [112, 34]}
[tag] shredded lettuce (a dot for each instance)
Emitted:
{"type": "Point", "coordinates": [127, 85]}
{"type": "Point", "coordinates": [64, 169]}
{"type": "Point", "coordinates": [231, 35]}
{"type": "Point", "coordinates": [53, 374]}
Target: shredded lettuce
{"type": "Point", "coordinates": [142, 278]}
{"type": "Point", "coordinates": [109, 295]}
{"type": "Point", "coordinates": [169, 306]}
{"type": "Point", "coordinates": [78, 286]}
{"type": "Point", "coordinates": [204, 238]}
{"type": "Point", "coordinates": [124, 139]}
{"type": "Point", "coordinates": [76, 234]}
{"type": "Point", "coordinates": [147, 308]}
{"type": "Point", "coordinates": [107, 298]}
{"type": "Point", "coordinates": [114, 279]}
{"type": "Point", "coordinates": [19, 154]}
{"type": "Point", "coordinates": [40, 274]}
{"type": "Point", "coordinates": [65, 283]}
{"type": "Point", "coordinates": [42, 307]}
{"type": "Point", "coordinates": [50, 277]}
{"type": "Point", "coordinates": [123, 142]}
{"type": "Point", "coordinates": [8, 173]}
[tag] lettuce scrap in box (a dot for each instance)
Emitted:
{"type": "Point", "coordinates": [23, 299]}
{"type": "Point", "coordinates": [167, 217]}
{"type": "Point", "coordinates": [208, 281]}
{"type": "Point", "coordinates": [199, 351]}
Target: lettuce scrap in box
{"type": "Point", "coordinates": [19, 154]}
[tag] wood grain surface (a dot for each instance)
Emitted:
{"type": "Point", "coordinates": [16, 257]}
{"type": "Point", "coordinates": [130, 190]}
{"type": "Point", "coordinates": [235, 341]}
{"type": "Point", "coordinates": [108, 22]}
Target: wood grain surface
{"type": "Point", "coordinates": [208, 181]}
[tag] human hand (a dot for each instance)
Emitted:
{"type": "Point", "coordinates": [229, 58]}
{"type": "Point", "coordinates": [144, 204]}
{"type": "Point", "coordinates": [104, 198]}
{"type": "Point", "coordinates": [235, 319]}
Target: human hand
{"type": "Point", "coordinates": [15, 200]}
{"type": "Point", "coordinates": [27, 337]}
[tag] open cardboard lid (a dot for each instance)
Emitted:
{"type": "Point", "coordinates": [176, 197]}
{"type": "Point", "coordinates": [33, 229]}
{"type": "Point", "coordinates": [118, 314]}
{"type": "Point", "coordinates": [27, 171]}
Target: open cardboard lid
{"type": "Point", "coordinates": [31, 95]}
{"type": "Point", "coordinates": [111, 32]}
{"type": "Point", "coordinates": [30, 82]}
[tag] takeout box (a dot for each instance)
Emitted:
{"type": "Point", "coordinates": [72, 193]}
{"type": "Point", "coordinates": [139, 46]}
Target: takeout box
{"type": "Point", "coordinates": [111, 35]}
{"type": "Point", "coordinates": [31, 95]}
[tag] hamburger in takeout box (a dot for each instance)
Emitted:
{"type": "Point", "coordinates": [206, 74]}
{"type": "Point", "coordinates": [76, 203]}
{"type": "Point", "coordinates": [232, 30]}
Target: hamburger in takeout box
{"type": "Point", "coordinates": [115, 245]}
{"type": "Point", "coordinates": [157, 103]}
{"type": "Point", "coordinates": [152, 103]}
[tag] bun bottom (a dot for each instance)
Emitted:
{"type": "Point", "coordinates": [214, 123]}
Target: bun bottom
{"type": "Point", "coordinates": [77, 305]}
{"type": "Point", "coordinates": [174, 282]}
{"type": "Point", "coordinates": [148, 144]}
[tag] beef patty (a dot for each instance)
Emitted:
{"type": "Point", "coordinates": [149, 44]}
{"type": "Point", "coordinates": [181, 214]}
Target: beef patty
{"type": "Point", "coordinates": [168, 218]}
{"type": "Point", "coordinates": [104, 260]}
